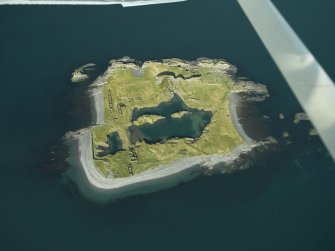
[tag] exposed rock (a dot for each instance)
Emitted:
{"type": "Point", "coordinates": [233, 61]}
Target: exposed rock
{"type": "Point", "coordinates": [313, 132]}
{"type": "Point", "coordinates": [258, 92]}
{"type": "Point", "coordinates": [82, 73]}
{"type": "Point", "coordinates": [301, 116]}
{"type": "Point", "coordinates": [286, 134]}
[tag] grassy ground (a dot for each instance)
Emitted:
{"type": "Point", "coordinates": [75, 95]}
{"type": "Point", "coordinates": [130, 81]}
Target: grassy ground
{"type": "Point", "coordinates": [125, 91]}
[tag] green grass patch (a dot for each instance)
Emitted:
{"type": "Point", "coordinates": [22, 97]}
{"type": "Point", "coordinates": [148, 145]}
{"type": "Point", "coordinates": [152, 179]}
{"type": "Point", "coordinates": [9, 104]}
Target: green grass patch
{"type": "Point", "coordinates": [125, 91]}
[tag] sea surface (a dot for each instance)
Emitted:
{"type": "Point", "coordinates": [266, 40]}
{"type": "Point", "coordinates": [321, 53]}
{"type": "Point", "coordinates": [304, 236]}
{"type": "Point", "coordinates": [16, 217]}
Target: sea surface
{"type": "Point", "coordinates": [285, 203]}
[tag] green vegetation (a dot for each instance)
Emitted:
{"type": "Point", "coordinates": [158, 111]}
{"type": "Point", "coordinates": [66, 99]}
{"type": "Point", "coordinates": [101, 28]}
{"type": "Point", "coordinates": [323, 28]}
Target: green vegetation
{"type": "Point", "coordinates": [202, 88]}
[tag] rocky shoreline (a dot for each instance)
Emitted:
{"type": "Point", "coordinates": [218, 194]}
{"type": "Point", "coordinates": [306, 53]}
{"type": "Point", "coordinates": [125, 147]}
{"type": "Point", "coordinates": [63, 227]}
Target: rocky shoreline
{"type": "Point", "coordinates": [95, 187]}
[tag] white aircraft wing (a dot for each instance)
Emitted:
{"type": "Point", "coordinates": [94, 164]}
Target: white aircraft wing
{"type": "Point", "coordinates": [309, 82]}
{"type": "Point", "coordinates": [124, 3]}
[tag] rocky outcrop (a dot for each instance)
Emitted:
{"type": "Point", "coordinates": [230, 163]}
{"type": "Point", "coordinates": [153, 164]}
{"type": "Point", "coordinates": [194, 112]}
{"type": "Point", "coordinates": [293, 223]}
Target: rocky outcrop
{"type": "Point", "coordinates": [301, 116]}
{"type": "Point", "coordinates": [82, 73]}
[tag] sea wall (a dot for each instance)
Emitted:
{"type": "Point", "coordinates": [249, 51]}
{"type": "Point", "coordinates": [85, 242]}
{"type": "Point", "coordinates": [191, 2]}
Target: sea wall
{"type": "Point", "coordinates": [234, 101]}
{"type": "Point", "coordinates": [97, 188]}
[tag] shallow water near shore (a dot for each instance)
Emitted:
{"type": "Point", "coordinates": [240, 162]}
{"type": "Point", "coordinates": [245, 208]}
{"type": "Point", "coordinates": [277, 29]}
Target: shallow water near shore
{"type": "Point", "coordinates": [286, 203]}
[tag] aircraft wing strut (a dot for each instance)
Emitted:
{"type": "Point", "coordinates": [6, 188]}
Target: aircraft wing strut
{"type": "Point", "coordinates": [308, 80]}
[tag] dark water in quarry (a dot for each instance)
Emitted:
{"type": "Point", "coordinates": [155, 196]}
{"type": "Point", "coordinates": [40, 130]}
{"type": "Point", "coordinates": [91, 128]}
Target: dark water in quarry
{"type": "Point", "coordinates": [114, 142]}
{"type": "Point", "coordinates": [165, 109]}
{"type": "Point", "coordinates": [189, 125]}
{"type": "Point", "coordinates": [286, 203]}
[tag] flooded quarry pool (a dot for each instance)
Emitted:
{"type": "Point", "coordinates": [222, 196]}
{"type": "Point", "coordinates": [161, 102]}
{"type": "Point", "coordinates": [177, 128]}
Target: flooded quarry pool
{"type": "Point", "coordinates": [179, 121]}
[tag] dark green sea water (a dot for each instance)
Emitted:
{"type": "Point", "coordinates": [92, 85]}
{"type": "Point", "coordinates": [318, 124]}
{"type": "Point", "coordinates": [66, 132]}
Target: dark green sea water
{"type": "Point", "coordinates": [288, 204]}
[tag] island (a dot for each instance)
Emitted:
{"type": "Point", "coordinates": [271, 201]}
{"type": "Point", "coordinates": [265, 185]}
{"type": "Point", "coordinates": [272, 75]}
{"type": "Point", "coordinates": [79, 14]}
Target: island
{"type": "Point", "coordinates": [160, 123]}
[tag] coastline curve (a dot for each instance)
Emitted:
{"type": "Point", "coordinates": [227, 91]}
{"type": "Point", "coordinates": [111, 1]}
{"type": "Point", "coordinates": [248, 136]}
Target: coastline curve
{"type": "Point", "coordinates": [97, 188]}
